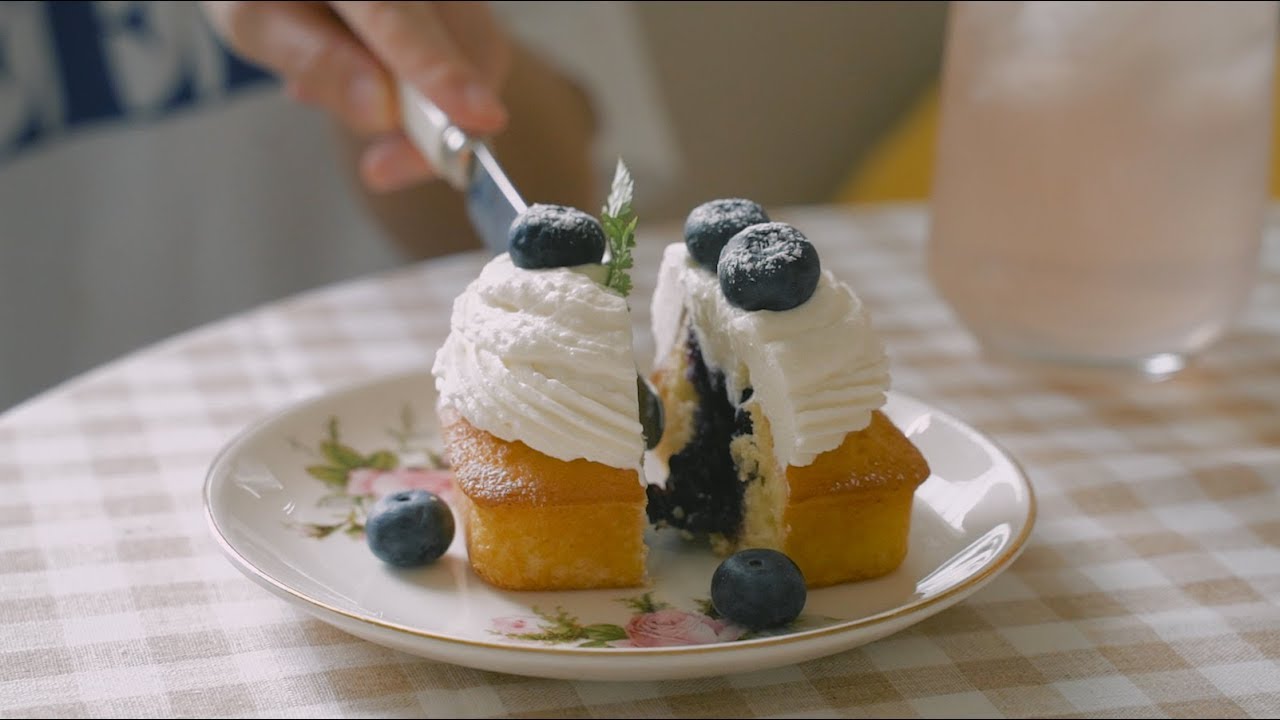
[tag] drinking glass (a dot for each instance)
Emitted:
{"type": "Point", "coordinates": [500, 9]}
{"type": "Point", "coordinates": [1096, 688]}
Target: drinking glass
{"type": "Point", "coordinates": [1101, 176]}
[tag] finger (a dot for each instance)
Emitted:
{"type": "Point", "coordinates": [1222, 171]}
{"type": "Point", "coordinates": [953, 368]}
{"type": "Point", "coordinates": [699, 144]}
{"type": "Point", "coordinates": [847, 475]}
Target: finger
{"type": "Point", "coordinates": [480, 37]}
{"type": "Point", "coordinates": [392, 163]}
{"type": "Point", "coordinates": [414, 43]}
{"type": "Point", "coordinates": [321, 61]}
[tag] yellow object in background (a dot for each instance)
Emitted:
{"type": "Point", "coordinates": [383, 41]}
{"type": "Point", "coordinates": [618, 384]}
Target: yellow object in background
{"type": "Point", "coordinates": [899, 167]}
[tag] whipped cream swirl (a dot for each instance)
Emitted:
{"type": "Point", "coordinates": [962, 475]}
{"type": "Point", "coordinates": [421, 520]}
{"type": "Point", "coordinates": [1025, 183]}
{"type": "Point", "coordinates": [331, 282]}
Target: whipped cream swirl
{"type": "Point", "coordinates": [544, 357]}
{"type": "Point", "coordinates": [817, 370]}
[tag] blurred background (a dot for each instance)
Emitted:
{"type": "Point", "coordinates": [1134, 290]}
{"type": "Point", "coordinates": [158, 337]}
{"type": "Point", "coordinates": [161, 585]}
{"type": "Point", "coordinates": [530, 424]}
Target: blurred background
{"type": "Point", "coordinates": [784, 103]}
{"type": "Point", "coordinates": [777, 102]}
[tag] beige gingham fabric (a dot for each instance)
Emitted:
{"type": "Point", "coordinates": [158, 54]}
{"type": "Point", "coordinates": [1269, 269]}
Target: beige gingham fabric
{"type": "Point", "coordinates": [1149, 588]}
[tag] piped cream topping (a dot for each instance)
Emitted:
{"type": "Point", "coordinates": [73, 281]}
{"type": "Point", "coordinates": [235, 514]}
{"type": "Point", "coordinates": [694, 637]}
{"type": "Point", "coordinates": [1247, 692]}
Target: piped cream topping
{"type": "Point", "coordinates": [544, 357]}
{"type": "Point", "coordinates": [817, 370]}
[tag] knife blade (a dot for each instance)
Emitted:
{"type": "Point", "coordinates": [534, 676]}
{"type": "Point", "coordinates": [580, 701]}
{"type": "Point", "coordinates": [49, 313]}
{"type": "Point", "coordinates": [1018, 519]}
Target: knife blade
{"type": "Point", "coordinates": [493, 202]}
{"type": "Point", "coordinates": [466, 163]}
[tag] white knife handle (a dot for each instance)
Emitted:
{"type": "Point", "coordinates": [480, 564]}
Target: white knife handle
{"type": "Point", "coordinates": [446, 146]}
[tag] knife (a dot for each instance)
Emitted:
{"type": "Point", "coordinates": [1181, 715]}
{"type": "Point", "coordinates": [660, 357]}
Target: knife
{"type": "Point", "coordinates": [493, 203]}
{"type": "Point", "coordinates": [466, 163]}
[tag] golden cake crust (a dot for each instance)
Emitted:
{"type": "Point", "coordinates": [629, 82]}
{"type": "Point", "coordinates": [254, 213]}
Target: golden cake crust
{"type": "Point", "coordinates": [877, 458]}
{"type": "Point", "coordinates": [534, 522]}
{"type": "Point", "coordinates": [848, 514]}
{"type": "Point", "coordinates": [493, 471]}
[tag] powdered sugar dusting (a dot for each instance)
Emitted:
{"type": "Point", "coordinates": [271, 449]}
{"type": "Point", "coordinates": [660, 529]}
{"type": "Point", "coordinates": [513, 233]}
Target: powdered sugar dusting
{"type": "Point", "coordinates": [766, 248]}
{"type": "Point", "coordinates": [729, 213]}
{"type": "Point", "coordinates": [494, 483]}
{"type": "Point", "coordinates": [556, 218]}
{"type": "Point", "coordinates": [712, 224]}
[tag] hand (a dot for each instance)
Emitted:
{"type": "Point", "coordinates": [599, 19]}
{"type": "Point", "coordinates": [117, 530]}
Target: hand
{"type": "Point", "coordinates": [342, 56]}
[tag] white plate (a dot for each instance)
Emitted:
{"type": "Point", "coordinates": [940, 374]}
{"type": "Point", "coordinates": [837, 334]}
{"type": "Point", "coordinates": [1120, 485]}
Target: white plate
{"type": "Point", "coordinates": [263, 498]}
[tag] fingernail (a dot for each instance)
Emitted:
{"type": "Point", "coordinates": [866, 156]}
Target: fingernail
{"type": "Point", "coordinates": [368, 98]}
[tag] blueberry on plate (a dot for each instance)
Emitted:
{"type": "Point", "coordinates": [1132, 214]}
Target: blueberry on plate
{"type": "Point", "coordinates": [758, 589]}
{"type": "Point", "coordinates": [713, 223]}
{"type": "Point", "coordinates": [549, 236]}
{"type": "Point", "coordinates": [772, 266]}
{"type": "Point", "coordinates": [409, 528]}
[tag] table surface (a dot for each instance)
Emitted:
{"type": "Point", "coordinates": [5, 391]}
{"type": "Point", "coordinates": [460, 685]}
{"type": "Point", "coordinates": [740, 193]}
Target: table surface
{"type": "Point", "coordinates": [1149, 587]}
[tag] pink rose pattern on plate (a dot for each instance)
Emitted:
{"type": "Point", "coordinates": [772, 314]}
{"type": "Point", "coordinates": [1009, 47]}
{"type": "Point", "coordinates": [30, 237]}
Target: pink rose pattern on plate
{"type": "Point", "coordinates": [669, 627]}
{"type": "Point", "coordinates": [515, 624]}
{"type": "Point", "coordinates": [652, 624]}
{"type": "Point", "coordinates": [356, 479]}
{"type": "Point", "coordinates": [376, 483]}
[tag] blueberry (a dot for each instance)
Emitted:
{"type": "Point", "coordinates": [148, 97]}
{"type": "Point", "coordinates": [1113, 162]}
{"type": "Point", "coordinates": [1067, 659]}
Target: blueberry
{"type": "Point", "coordinates": [758, 589]}
{"type": "Point", "coordinates": [408, 528]}
{"type": "Point", "coordinates": [652, 419]}
{"type": "Point", "coordinates": [771, 266]}
{"type": "Point", "coordinates": [713, 223]}
{"type": "Point", "coordinates": [548, 236]}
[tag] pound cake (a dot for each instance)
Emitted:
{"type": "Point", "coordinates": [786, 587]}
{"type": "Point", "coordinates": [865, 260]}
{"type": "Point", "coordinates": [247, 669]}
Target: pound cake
{"type": "Point", "coordinates": [772, 379]}
{"type": "Point", "coordinates": [538, 404]}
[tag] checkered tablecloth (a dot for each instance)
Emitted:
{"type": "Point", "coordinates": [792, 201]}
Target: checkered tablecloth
{"type": "Point", "coordinates": [1149, 588]}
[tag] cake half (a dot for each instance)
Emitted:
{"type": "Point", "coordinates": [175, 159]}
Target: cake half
{"type": "Point", "coordinates": [535, 522]}
{"type": "Point", "coordinates": [774, 434]}
{"type": "Point", "coordinates": [537, 398]}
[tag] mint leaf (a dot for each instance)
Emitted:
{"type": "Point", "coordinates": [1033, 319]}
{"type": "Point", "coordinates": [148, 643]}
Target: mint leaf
{"type": "Point", "coordinates": [621, 192]}
{"type": "Point", "coordinates": [619, 224]}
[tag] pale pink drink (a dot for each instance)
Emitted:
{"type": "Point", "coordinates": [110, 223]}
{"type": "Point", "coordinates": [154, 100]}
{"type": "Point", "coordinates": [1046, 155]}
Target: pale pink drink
{"type": "Point", "coordinates": [1101, 177]}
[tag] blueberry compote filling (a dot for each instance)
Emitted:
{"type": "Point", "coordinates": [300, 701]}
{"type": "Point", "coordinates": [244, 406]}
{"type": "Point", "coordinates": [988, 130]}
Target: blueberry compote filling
{"type": "Point", "coordinates": [703, 493]}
